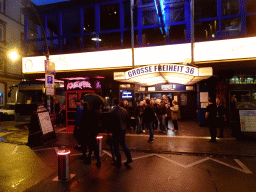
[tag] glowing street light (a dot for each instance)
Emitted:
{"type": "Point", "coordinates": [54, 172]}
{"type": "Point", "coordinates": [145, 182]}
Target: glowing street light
{"type": "Point", "coordinates": [13, 55]}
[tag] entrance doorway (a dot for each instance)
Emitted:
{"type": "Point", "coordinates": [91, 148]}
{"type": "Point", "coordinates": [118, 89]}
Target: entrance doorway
{"type": "Point", "coordinates": [187, 102]}
{"type": "Point", "coordinates": [71, 96]}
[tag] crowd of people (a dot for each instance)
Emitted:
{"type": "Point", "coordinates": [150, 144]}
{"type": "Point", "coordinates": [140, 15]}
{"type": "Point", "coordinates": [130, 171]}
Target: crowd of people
{"type": "Point", "coordinates": [149, 114]}
{"type": "Point", "coordinates": [89, 123]}
{"type": "Point", "coordinates": [153, 114]}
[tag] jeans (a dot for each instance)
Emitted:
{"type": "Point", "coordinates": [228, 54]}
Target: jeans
{"type": "Point", "coordinates": [161, 120]}
{"type": "Point", "coordinates": [119, 138]}
{"type": "Point", "coordinates": [149, 126]}
{"type": "Point", "coordinates": [139, 125]}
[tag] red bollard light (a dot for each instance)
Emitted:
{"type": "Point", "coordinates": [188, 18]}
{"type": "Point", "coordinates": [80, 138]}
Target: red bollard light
{"type": "Point", "coordinates": [63, 164]}
{"type": "Point", "coordinates": [99, 140]}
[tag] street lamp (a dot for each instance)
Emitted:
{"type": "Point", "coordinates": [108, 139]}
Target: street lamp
{"type": "Point", "coordinates": [13, 55]}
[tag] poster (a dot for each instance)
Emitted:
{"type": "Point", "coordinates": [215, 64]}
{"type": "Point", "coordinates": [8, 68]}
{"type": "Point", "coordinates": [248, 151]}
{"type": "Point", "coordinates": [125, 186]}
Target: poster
{"type": "Point", "coordinates": [248, 120]}
{"type": "Point", "coordinates": [45, 122]}
{"type": "Point", "coordinates": [204, 97]}
{"type": "Point", "coordinates": [71, 100]}
{"type": "Point", "coordinates": [183, 99]}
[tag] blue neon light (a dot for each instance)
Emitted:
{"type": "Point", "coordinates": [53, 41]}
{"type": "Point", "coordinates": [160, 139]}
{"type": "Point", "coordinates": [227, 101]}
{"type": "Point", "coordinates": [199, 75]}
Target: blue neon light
{"type": "Point", "coordinates": [160, 10]}
{"type": "Point", "coordinates": [0, 94]}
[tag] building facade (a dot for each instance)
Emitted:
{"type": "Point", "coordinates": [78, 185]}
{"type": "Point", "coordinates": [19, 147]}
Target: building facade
{"type": "Point", "coordinates": [220, 38]}
{"type": "Point", "coordinates": [11, 40]}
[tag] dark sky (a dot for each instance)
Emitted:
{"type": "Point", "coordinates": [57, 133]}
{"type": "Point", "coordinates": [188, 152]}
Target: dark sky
{"type": "Point", "coordinates": [43, 2]}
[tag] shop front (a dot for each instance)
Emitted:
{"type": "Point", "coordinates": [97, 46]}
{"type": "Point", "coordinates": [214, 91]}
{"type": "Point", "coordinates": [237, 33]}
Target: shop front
{"type": "Point", "coordinates": [173, 80]}
{"type": "Point", "coordinates": [162, 70]}
{"type": "Point", "coordinates": [76, 88]}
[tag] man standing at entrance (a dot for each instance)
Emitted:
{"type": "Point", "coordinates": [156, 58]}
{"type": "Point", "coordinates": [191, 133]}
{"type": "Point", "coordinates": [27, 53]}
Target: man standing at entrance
{"type": "Point", "coordinates": [220, 118]}
{"type": "Point", "coordinates": [149, 118]}
{"type": "Point", "coordinates": [119, 123]}
{"type": "Point", "coordinates": [210, 115]}
{"type": "Point", "coordinates": [78, 117]}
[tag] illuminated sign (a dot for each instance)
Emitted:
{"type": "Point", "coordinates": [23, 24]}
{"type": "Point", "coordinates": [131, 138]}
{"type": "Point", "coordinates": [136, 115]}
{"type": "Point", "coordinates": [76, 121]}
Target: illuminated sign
{"type": "Point", "coordinates": [151, 88]}
{"type": "Point", "coordinates": [168, 87]}
{"type": "Point", "coordinates": [162, 68]}
{"type": "Point", "coordinates": [126, 95]}
{"type": "Point", "coordinates": [166, 73]}
{"type": "Point", "coordinates": [79, 84]}
{"type": "Point", "coordinates": [218, 50]}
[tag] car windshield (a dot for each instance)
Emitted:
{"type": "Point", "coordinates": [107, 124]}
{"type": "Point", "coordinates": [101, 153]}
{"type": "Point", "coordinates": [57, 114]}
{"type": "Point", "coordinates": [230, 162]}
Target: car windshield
{"type": "Point", "coordinates": [9, 107]}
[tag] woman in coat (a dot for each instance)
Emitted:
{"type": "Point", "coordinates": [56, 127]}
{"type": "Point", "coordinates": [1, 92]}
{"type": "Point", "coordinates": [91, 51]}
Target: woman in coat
{"type": "Point", "coordinates": [175, 114]}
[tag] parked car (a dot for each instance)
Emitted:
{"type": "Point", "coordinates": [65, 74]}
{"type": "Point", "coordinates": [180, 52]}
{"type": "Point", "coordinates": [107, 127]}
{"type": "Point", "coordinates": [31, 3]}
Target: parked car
{"type": "Point", "coordinates": [7, 112]}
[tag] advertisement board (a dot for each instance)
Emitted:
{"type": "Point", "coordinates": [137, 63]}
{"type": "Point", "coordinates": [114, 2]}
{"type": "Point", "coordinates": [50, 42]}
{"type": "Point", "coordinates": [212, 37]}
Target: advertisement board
{"type": "Point", "coordinates": [247, 120]}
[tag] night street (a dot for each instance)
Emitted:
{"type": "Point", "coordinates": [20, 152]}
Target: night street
{"type": "Point", "coordinates": [36, 170]}
{"type": "Point", "coordinates": [171, 163]}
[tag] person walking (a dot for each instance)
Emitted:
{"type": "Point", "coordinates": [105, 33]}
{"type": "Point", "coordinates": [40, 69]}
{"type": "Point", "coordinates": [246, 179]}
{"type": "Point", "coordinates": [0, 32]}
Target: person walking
{"type": "Point", "coordinates": [148, 117]}
{"type": "Point", "coordinates": [77, 120]}
{"type": "Point", "coordinates": [161, 114]}
{"type": "Point", "coordinates": [210, 115]}
{"type": "Point", "coordinates": [119, 120]}
{"type": "Point", "coordinates": [175, 114]}
{"type": "Point", "coordinates": [58, 109]}
{"type": "Point", "coordinates": [220, 117]}
{"type": "Point", "coordinates": [90, 128]}
{"type": "Point", "coordinates": [139, 119]}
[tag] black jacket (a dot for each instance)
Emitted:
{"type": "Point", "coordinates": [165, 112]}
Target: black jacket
{"type": "Point", "coordinates": [149, 114]}
{"type": "Point", "coordinates": [119, 119]}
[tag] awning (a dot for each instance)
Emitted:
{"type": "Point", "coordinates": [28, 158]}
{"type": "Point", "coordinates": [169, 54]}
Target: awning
{"type": "Point", "coordinates": [164, 73]}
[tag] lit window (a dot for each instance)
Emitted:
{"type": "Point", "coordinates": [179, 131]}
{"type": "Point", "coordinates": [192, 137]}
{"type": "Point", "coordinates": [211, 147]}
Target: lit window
{"type": "Point", "coordinates": [1, 63]}
{"type": "Point", "coordinates": [1, 32]}
{"type": "Point", "coordinates": [1, 6]}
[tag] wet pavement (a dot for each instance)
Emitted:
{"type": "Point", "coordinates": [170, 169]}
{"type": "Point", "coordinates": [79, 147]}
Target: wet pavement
{"type": "Point", "coordinates": [176, 161]}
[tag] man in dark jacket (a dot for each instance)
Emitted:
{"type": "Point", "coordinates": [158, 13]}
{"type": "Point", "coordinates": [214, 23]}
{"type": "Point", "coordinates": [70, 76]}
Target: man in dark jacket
{"type": "Point", "coordinates": [148, 118]}
{"type": "Point", "coordinates": [210, 115]}
{"type": "Point", "coordinates": [78, 117]}
{"type": "Point", "coordinates": [119, 122]}
{"type": "Point", "coordinates": [90, 128]}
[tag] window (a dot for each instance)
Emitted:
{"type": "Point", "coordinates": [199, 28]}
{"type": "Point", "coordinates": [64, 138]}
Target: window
{"type": "Point", "coordinates": [206, 30]}
{"type": "Point", "coordinates": [2, 61]}
{"type": "Point", "coordinates": [89, 20]}
{"type": "Point", "coordinates": [177, 33]}
{"type": "Point", "coordinates": [1, 32]}
{"type": "Point", "coordinates": [1, 6]}
{"type": "Point", "coordinates": [110, 40]}
{"type": "Point", "coordinates": [109, 17]}
{"type": "Point", "coordinates": [22, 19]}
{"type": "Point", "coordinates": [152, 36]}
{"type": "Point", "coordinates": [250, 5]}
{"type": "Point", "coordinates": [177, 12]}
{"type": "Point", "coordinates": [250, 25]}
{"type": "Point", "coordinates": [231, 27]}
{"type": "Point", "coordinates": [22, 39]}
{"type": "Point", "coordinates": [150, 16]}
{"type": "Point", "coordinates": [242, 79]}
{"type": "Point", "coordinates": [204, 9]}
{"type": "Point", "coordinates": [145, 2]}
{"type": "Point", "coordinates": [230, 7]}
{"type": "Point", "coordinates": [127, 15]}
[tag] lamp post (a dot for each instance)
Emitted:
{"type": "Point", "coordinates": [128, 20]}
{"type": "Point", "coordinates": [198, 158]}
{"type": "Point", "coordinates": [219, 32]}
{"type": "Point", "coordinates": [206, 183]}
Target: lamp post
{"type": "Point", "coordinates": [132, 31]}
{"type": "Point", "coordinates": [192, 35]}
{"type": "Point", "coordinates": [47, 61]}
{"type": "Point", "coordinates": [47, 55]}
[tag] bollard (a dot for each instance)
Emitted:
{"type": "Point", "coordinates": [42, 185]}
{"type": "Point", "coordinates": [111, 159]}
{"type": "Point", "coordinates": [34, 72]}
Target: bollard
{"type": "Point", "coordinates": [99, 141]}
{"type": "Point", "coordinates": [63, 164]}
